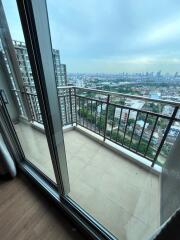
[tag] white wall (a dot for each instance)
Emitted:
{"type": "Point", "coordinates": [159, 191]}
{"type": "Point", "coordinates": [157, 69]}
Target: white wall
{"type": "Point", "coordinates": [170, 183]}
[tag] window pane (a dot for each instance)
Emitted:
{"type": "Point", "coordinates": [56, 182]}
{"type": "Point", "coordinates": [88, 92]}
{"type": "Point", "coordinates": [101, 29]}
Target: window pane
{"type": "Point", "coordinates": [117, 144]}
{"type": "Point", "coordinates": [24, 108]}
{"type": "Point", "coordinates": [114, 62]}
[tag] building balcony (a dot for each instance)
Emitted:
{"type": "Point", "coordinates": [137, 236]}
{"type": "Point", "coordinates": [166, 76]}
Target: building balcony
{"type": "Point", "coordinates": [115, 147]}
{"type": "Point", "coordinates": [143, 126]}
{"type": "Point", "coordinates": [122, 195]}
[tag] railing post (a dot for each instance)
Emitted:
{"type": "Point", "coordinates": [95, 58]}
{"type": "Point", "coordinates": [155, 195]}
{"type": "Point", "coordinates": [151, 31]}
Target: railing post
{"type": "Point", "coordinates": [75, 104]}
{"type": "Point", "coordinates": [70, 99]}
{"type": "Point", "coordinates": [165, 134]}
{"type": "Point", "coordinates": [106, 116]}
{"type": "Point", "coordinates": [26, 104]}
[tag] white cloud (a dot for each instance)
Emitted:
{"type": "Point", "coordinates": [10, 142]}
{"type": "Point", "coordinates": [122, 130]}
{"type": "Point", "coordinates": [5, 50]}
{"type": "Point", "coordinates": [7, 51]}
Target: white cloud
{"type": "Point", "coordinates": [111, 35]}
{"type": "Point", "coordinates": [163, 32]}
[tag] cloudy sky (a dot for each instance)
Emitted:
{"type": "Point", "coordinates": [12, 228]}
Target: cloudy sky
{"type": "Point", "coordinates": [111, 35]}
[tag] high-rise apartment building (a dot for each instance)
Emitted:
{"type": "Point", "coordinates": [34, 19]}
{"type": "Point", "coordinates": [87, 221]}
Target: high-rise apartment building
{"type": "Point", "coordinates": [25, 68]}
{"type": "Point", "coordinates": [28, 81]}
{"type": "Point", "coordinates": [63, 74]}
{"type": "Point", "coordinates": [60, 69]}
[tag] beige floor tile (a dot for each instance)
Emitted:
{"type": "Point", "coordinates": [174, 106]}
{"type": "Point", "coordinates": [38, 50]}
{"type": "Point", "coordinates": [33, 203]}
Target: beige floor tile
{"type": "Point", "coordinates": [116, 192]}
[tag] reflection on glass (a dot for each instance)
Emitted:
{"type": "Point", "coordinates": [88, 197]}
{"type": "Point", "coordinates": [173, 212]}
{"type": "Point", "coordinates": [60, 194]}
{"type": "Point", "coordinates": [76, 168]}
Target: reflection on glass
{"type": "Point", "coordinates": [28, 122]}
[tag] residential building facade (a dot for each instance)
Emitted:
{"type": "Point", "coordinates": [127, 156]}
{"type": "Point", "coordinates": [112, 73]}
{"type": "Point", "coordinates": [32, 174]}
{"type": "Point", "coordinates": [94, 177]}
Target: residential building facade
{"type": "Point", "coordinates": [25, 68]}
{"type": "Point", "coordinates": [28, 81]}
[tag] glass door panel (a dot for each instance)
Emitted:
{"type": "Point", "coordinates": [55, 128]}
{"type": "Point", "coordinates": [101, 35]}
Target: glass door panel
{"type": "Point", "coordinates": [116, 143]}
{"type": "Point", "coordinates": [18, 84]}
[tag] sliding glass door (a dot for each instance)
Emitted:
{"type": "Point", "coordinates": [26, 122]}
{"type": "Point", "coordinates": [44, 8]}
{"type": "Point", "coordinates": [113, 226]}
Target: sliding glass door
{"type": "Point", "coordinates": [28, 81]}
{"type": "Point", "coordinates": [103, 149]}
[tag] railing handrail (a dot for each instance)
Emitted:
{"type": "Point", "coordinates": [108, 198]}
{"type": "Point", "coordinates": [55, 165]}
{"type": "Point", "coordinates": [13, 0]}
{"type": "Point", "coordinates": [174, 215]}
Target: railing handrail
{"type": "Point", "coordinates": [165, 102]}
{"type": "Point", "coordinates": [104, 92]}
{"type": "Point", "coordinates": [66, 87]}
{"type": "Point", "coordinates": [103, 102]}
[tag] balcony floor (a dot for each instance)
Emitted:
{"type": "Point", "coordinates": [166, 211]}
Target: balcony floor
{"type": "Point", "coordinates": [122, 196]}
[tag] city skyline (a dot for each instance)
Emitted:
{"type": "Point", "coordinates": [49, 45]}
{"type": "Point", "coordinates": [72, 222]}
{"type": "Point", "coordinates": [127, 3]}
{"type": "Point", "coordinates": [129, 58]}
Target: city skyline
{"type": "Point", "coordinates": [112, 37]}
{"type": "Point", "coordinates": [129, 73]}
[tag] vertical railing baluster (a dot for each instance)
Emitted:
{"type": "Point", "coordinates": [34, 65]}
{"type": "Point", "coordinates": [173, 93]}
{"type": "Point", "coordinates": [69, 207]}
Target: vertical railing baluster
{"type": "Point", "coordinates": [119, 123]}
{"type": "Point", "coordinates": [165, 134]}
{"type": "Point", "coordinates": [134, 127]}
{"type": "Point", "coordinates": [100, 119]}
{"type": "Point", "coordinates": [26, 104]}
{"type": "Point", "coordinates": [86, 116]}
{"type": "Point", "coordinates": [34, 105]}
{"type": "Point", "coordinates": [68, 106]}
{"type": "Point", "coordinates": [106, 116]}
{"type": "Point", "coordinates": [28, 98]}
{"type": "Point", "coordinates": [30, 115]}
{"type": "Point", "coordinates": [33, 101]}
{"type": "Point", "coordinates": [95, 116]}
{"type": "Point", "coordinates": [75, 99]}
{"type": "Point", "coordinates": [112, 126]}
{"type": "Point", "coordinates": [64, 98]}
{"type": "Point", "coordinates": [79, 110]}
{"type": "Point", "coordinates": [70, 100]}
{"type": "Point", "coordinates": [91, 115]}
{"type": "Point", "coordinates": [154, 126]}
{"type": "Point", "coordinates": [142, 132]}
{"type": "Point", "coordinates": [87, 119]}
{"type": "Point", "coordinates": [126, 127]}
{"type": "Point", "coordinates": [83, 110]}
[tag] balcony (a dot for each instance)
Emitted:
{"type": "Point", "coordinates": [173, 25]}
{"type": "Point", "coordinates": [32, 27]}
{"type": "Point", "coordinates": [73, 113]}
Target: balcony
{"type": "Point", "coordinates": [145, 127]}
{"type": "Point", "coordinates": [115, 147]}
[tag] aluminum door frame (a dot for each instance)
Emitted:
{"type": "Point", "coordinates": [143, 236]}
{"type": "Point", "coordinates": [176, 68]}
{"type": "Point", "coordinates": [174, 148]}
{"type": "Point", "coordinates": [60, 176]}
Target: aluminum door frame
{"type": "Point", "coordinates": [35, 24]}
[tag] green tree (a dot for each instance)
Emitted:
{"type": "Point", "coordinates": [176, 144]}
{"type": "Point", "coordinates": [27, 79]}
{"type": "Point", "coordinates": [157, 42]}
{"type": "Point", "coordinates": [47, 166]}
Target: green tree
{"type": "Point", "coordinates": [101, 123]}
{"type": "Point", "coordinates": [130, 122]}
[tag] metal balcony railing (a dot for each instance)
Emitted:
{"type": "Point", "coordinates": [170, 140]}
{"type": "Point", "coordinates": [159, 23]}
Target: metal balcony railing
{"type": "Point", "coordinates": [147, 127]}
